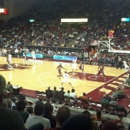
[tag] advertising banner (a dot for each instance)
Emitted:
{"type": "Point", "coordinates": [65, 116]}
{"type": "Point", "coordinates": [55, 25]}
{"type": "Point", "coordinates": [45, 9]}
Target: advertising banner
{"type": "Point", "coordinates": [37, 55]}
{"type": "Point", "coordinates": [67, 58]}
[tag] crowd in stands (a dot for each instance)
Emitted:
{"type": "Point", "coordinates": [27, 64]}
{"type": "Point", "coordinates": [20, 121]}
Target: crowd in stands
{"type": "Point", "coordinates": [19, 114]}
{"type": "Point", "coordinates": [38, 34]}
{"type": "Point", "coordinates": [35, 35]}
{"type": "Point", "coordinates": [110, 101]}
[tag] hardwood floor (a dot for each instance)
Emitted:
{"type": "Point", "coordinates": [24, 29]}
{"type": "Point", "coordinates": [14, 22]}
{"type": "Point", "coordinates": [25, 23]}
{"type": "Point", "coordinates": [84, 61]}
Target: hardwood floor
{"type": "Point", "coordinates": [43, 73]}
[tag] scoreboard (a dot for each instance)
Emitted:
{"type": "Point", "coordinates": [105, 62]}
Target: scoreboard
{"type": "Point", "coordinates": [3, 11]}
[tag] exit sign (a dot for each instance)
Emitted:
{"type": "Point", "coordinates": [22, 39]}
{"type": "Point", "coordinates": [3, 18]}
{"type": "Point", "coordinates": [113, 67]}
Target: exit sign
{"type": "Point", "coordinates": [3, 11]}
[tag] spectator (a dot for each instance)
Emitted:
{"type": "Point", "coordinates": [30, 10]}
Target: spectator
{"type": "Point", "coordinates": [114, 95]}
{"type": "Point", "coordinates": [84, 97]}
{"type": "Point", "coordinates": [9, 102]}
{"type": "Point", "coordinates": [127, 83]}
{"type": "Point", "coordinates": [61, 91]}
{"type": "Point", "coordinates": [10, 120]}
{"type": "Point", "coordinates": [98, 116]}
{"type": "Point", "coordinates": [21, 97]}
{"type": "Point", "coordinates": [118, 121]}
{"type": "Point", "coordinates": [78, 122]}
{"type": "Point", "coordinates": [67, 94]}
{"type": "Point", "coordinates": [55, 94]}
{"type": "Point", "coordinates": [116, 60]}
{"type": "Point", "coordinates": [87, 113]}
{"type": "Point", "coordinates": [62, 115]}
{"type": "Point", "coordinates": [129, 127]}
{"type": "Point", "coordinates": [21, 105]}
{"type": "Point", "coordinates": [61, 94]}
{"type": "Point", "coordinates": [73, 94]}
{"type": "Point", "coordinates": [38, 126]}
{"type": "Point", "coordinates": [13, 101]}
{"type": "Point", "coordinates": [109, 125]}
{"type": "Point", "coordinates": [49, 93]}
{"type": "Point", "coordinates": [4, 103]}
{"type": "Point", "coordinates": [9, 87]}
{"type": "Point", "coordinates": [38, 118]}
{"type": "Point", "coordinates": [104, 102]}
{"type": "Point", "coordinates": [30, 110]}
{"type": "Point", "coordinates": [48, 114]}
{"type": "Point", "coordinates": [120, 93]}
{"type": "Point", "coordinates": [120, 63]}
{"type": "Point", "coordinates": [39, 102]}
{"type": "Point", "coordinates": [108, 97]}
{"type": "Point", "coordinates": [113, 102]}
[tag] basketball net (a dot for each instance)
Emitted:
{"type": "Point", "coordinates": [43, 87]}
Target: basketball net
{"type": "Point", "coordinates": [110, 48]}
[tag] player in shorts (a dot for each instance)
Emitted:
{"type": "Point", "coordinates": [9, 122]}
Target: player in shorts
{"type": "Point", "coordinates": [74, 64]}
{"type": "Point", "coordinates": [33, 55]}
{"type": "Point", "coordinates": [9, 60]}
{"type": "Point", "coordinates": [126, 66]}
{"type": "Point", "coordinates": [65, 78]}
{"type": "Point", "coordinates": [100, 71]}
{"type": "Point", "coordinates": [25, 56]}
{"type": "Point", "coordinates": [81, 67]}
{"type": "Point", "coordinates": [60, 67]}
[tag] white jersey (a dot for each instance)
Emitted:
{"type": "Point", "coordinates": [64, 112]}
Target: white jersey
{"type": "Point", "coordinates": [33, 55]}
{"type": "Point", "coordinates": [126, 66]}
{"type": "Point", "coordinates": [74, 64]}
{"type": "Point", "coordinates": [9, 58]}
{"type": "Point", "coordinates": [65, 77]}
{"type": "Point", "coordinates": [95, 55]}
{"type": "Point", "coordinates": [74, 61]}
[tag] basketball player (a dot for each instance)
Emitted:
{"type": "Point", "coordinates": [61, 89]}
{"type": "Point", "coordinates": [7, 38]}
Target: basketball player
{"type": "Point", "coordinates": [25, 56]}
{"type": "Point", "coordinates": [65, 78]}
{"type": "Point", "coordinates": [100, 70]}
{"type": "Point", "coordinates": [74, 64]}
{"type": "Point", "coordinates": [9, 60]}
{"type": "Point", "coordinates": [59, 67]}
{"type": "Point", "coordinates": [95, 58]}
{"type": "Point", "coordinates": [33, 55]}
{"type": "Point", "coordinates": [81, 67]}
{"type": "Point", "coordinates": [126, 66]}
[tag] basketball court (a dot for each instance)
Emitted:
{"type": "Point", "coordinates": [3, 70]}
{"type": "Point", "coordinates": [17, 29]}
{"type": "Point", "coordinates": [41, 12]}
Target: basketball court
{"type": "Point", "coordinates": [40, 74]}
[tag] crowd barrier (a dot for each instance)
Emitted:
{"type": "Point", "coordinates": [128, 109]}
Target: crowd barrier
{"type": "Point", "coordinates": [54, 57]}
{"type": "Point", "coordinates": [57, 48]}
{"type": "Point", "coordinates": [29, 55]}
{"type": "Point", "coordinates": [67, 58]}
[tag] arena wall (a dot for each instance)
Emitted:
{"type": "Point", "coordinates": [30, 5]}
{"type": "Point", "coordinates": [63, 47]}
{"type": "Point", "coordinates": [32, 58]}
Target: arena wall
{"type": "Point", "coordinates": [17, 7]}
